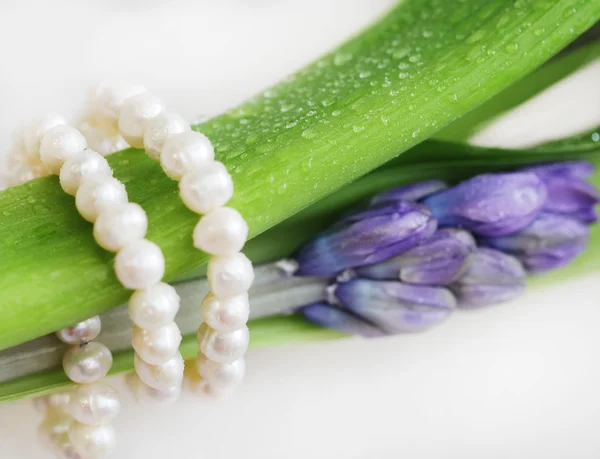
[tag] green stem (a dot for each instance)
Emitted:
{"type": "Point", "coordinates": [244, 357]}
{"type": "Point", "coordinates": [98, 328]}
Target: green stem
{"type": "Point", "coordinates": [293, 329]}
{"type": "Point", "coordinates": [419, 68]}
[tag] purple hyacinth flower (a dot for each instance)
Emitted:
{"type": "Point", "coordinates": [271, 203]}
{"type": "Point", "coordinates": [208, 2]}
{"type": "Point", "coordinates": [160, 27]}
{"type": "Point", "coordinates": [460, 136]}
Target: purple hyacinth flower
{"type": "Point", "coordinates": [568, 193]}
{"type": "Point", "coordinates": [440, 260]}
{"type": "Point", "coordinates": [394, 306]}
{"type": "Point", "coordinates": [412, 192]}
{"type": "Point", "coordinates": [492, 277]}
{"type": "Point", "coordinates": [365, 238]}
{"type": "Point", "coordinates": [490, 204]}
{"type": "Point", "coordinates": [550, 242]}
{"type": "Point", "coordinates": [339, 319]}
{"type": "Point", "coordinates": [566, 169]}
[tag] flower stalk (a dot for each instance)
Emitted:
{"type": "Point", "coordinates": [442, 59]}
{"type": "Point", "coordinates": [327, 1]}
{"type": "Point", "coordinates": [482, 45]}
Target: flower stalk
{"type": "Point", "coordinates": [289, 147]}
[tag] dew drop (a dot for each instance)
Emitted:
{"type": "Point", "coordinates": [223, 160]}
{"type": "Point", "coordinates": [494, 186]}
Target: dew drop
{"type": "Point", "coordinates": [357, 128]}
{"type": "Point", "coordinates": [595, 137]}
{"type": "Point", "coordinates": [511, 48]}
{"type": "Point", "coordinates": [31, 199]}
{"type": "Point", "coordinates": [309, 133]}
{"type": "Point", "coordinates": [416, 133]}
{"type": "Point", "coordinates": [336, 113]}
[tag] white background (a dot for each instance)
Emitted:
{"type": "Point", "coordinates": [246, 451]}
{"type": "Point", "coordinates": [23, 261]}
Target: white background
{"type": "Point", "coordinates": [516, 381]}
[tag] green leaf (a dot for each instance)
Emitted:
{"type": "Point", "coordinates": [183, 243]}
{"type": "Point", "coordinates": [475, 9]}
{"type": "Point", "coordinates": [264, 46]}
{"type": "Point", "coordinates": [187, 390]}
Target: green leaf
{"type": "Point", "coordinates": [455, 162]}
{"type": "Point", "coordinates": [523, 90]}
{"type": "Point", "coordinates": [420, 67]}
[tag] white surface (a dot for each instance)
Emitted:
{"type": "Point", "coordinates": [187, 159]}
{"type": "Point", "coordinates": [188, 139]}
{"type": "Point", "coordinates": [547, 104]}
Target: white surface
{"type": "Point", "coordinates": [515, 381]}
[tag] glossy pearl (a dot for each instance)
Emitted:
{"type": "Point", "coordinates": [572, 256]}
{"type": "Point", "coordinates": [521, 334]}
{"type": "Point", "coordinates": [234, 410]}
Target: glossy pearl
{"type": "Point", "coordinates": [82, 332]}
{"type": "Point", "coordinates": [225, 314]}
{"type": "Point", "coordinates": [221, 374]}
{"type": "Point", "coordinates": [64, 448]}
{"type": "Point", "coordinates": [221, 232]}
{"type": "Point", "coordinates": [118, 226]}
{"type": "Point", "coordinates": [159, 129]}
{"type": "Point", "coordinates": [108, 101]}
{"type": "Point", "coordinates": [59, 144]}
{"type": "Point", "coordinates": [51, 428]}
{"type": "Point", "coordinates": [93, 442]}
{"type": "Point", "coordinates": [206, 189]}
{"type": "Point", "coordinates": [157, 346]}
{"type": "Point", "coordinates": [94, 404]}
{"type": "Point", "coordinates": [223, 347]}
{"type": "Point", "coordinates": [88, 363]}
{"type": "Point", "coordinates": [149, 395]}
{"type": "Point", "coordinates": [140, 264]}
{"type": "Point", "coordinates": [154, 307]}
{"type": "Point", "coordinates": [161, 376]}
{"type": "Point", "coordinates": [95, 196]}
{"type": "Point", "coordinates": [136, 111]}
{"type": "Point", "coordinates": [231, 275]}
{"type": "Point", "coordinates": [186, 152]}
{"type": "Point", "coordinates": [58, 401]}
{"type": "Point", "coordinates": [88, 165]}
{"type": "Point", "coordinates": [32, 135]}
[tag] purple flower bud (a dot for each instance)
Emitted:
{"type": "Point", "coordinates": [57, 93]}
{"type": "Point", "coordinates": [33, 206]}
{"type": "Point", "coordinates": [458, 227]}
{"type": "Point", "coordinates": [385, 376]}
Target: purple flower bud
{"type": "Point", "coordinates": [440, 260]}
{"type": "Point", "coordinates": [365, 238]}
{"type": "Point", "coordinates": [568, 192]}
{"type": "Point", "coordinates": [550, 242]}
{"type": "Point", "coordinates": [492, 277]}
{"type": "Point", "coordinates": [396, 307]}
{"type": "Point", "coordinates": [490, 204]}
{"type": "Point", "coordinates": [337, 318]}
{"type": "Point", "coordinates": [566, 169]}
{"type": "Point", "coordinates": [413, 192]}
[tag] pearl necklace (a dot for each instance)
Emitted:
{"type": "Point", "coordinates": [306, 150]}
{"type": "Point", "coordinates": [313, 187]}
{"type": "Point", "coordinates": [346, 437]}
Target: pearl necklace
{"type": "Point", "coordinates": [80, 427]}
{"type": "Point", "coordinates": [205, 187]}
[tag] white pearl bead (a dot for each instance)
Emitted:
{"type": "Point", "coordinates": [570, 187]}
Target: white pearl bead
{"type": "Point", "coordinates": [58, 401]}
{"type": "Point", "coordinates": [161, 376]}
{"type": "Point", "coordinates": [225, 314]}
{"type": "Point", "coordinates": [223, 347]}
{"type": "Point", "coordinates": [92, 442]}
{"type": "Point", "coordinates": [221, 232]}
{"type": "Point", "coordinates": [108, 100]}
{"type": "Point", "coordinates": [88, 363]}
{"type": "Point", "coordinates": [136, 111]}
{"type": "Point", "coordinates": [32, 135]}
{"type": "Point", "coordinates": [19, 174]}
{"type": "Point", "coordinates": [157, 346]}
{"type": "Point", "coordinates": [118, 226]}
{"type": "Point", "coordinates": [154, 307]}
{"type": "Point", "coordinates": [64, 448]}
{"type": "Point", "coordinates": [140, 264]}
{"type": "Point", "coordinates": [231, 275]}
{"type": "Point", "coordinates": [149, 395]}
{"type": "Point", "coordinates": [206, 189]}
{"type": "Point", "coordinates": [95, 196]}
{"type": "Point", "coordinates": [186, 152]}
{"type": "Point", "coordinates": [87, 165]}
{"type": "Point", "coordinates": [82, 332]}
{"type": "Point", "coordinates": [59, 144]}
{"type": "Point", "coordinates": [94, 404]}
{"type": "Point", "coordinates": [55, 424]}
{"type": "Point", "coordinates": [159, 129]}
{"type": "Point", "coordinates": [221, 374]}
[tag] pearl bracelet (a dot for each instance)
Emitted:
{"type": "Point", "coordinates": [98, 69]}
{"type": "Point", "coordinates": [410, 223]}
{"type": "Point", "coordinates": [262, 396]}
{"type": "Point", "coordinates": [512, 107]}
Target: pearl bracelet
{"type": "Point", "coordinates": [205, 188]}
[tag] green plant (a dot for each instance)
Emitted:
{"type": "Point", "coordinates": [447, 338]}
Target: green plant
{"type": "Point", "coordinates": [420, 67]}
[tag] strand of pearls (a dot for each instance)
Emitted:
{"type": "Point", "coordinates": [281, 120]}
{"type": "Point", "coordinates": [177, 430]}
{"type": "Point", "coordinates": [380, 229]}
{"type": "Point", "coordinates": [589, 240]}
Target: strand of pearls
{"type": "Point", "coordinates": [205, 188]}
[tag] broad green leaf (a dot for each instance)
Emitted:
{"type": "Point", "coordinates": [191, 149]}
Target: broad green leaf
{"type": "Point", "coordinates": [462, 161]}
{"type": "Point", "coordinates": [423, 65]}
{"type": "Point", "coordinates": [523, 90]}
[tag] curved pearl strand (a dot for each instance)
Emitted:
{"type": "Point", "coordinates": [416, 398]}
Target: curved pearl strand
{"type": "Point", "coordinates": [120, 226]}
{"type": "Point", "coordinates": [205, 188]}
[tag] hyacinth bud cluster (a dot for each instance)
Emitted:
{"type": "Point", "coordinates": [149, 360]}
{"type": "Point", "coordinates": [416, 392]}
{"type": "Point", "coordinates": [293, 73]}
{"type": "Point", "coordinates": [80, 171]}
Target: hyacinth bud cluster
{"type": "Point", "coordinates": [420, 251]}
